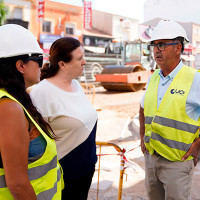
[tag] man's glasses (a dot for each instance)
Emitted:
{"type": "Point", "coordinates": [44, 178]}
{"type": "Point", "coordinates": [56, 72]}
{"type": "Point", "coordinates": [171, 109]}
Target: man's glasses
{"type": "Point", "coordinates": [161, 46]}
{"type": "Point", "coordinates": [38, 59]}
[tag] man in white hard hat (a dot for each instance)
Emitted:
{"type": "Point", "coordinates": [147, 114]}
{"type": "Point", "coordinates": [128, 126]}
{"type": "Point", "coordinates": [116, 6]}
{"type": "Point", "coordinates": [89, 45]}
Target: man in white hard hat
{"type": "Point", "coordinates": [170, 117]}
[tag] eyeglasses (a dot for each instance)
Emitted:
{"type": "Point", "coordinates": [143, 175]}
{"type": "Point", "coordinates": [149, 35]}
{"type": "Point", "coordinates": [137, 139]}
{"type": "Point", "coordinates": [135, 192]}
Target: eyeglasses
{"type": "Point", "coordinates": [38, 59]}
{"type": "Point", "coordinates": [161, 46]}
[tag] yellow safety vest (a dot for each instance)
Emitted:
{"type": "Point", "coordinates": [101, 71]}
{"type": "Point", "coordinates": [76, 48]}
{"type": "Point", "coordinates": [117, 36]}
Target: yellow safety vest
{"type": "Point", "coordinates": [45, 174]}
{"type": "Point", "coordinates": [168, 129]}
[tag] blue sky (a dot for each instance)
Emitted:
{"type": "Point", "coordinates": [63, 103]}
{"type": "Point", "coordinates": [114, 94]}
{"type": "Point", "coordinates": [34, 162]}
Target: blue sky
{"type": "Point", "coordinates": [127, 8]}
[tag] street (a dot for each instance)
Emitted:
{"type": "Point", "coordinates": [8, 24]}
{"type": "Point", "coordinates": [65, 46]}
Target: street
{"type": "Point", "coordinates": [116, 125]}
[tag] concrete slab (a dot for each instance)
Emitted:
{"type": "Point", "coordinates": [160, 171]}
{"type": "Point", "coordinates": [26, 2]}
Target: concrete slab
{"type": "Point", "coordinates": [103, 184]}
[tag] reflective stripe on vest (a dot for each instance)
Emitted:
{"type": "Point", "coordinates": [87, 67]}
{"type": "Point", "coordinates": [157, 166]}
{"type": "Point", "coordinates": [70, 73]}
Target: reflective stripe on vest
{"type": "Point", "coordinates": [172, 123]}
{"type": "Point", "coordinates": [148, 120]}
{"type": "Point", "coordinates": [170, 143]}
{"type": "Point", "coordinates": [168, 129]}
{"type": "Point", "coordinates": [48, 194]}
{"type": "Point", "coordinates": [44, 174]}
{"type": "Point", "coordinates": [34, 173]}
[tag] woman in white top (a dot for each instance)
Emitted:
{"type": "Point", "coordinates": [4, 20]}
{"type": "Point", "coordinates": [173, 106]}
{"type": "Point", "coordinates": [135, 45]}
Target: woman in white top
{"type": "Point", "coordinates": [63, 104]}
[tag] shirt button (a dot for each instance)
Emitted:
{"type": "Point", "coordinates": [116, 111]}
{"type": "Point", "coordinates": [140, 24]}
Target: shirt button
{"type": "Point", "coordinates": [159, 98]}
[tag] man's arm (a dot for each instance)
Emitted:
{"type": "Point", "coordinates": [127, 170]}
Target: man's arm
{"type": "Point", "coordinates": [194, 99]}
{"type": "Point", "coordinates": [142, 129]}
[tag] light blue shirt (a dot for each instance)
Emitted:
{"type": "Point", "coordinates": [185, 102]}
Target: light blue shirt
{"type": "Point", "coordinates": [193, 99]}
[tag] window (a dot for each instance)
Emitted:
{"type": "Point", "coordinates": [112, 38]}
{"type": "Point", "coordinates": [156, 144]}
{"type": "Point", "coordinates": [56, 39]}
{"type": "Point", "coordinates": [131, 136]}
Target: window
{"type": "Point", "coordinates": [197, 31]}
{"type": "Point", "coordinates": [46, 26]}
{"type": "Point", "coordinates": [70, 29]}
{"type": "Point", "coordinates": [18, 13]}
{"type": "Point", "coordinates": [133, 52]}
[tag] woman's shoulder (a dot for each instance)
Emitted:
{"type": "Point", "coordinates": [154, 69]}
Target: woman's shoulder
{"type": "Point", "coordinates": [42, 87]}
{"type": "Point", "coordinates": [76, 83]}
{"type": "Point", "coordinates": [77, 86]}
{"type": "Point", "coordinates": [9, 102]}
{"type": "Point", "coordinates": [9, 107]}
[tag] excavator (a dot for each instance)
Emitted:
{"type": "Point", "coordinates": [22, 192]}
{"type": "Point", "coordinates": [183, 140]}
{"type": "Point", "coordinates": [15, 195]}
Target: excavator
{"type": "Point", "coordinates": [133, 73]}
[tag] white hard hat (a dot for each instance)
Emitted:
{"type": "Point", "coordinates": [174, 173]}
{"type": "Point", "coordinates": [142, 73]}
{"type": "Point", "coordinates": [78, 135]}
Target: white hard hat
{"type": "Point", "coordinates": [168, 29]}
{"type": "Point", "coordinates": [16, 40]}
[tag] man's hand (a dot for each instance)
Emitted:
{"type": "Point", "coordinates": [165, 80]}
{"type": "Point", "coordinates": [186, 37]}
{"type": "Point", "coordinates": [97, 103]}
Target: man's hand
{"type": "Point", "coordinates": [143, 148]}
{"type": "Point", "coordinates": [193, 151]}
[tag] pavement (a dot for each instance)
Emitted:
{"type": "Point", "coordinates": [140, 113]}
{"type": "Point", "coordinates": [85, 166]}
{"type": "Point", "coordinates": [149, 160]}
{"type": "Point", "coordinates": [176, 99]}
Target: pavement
{"type": "Point", "coordinates": [117, 125]}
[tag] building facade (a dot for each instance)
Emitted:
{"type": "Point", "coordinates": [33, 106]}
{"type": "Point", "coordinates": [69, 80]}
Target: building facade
{"type": "Point", "coordinates": [60, 20]}
{"type": "Point", "coordinates": [120, 27]}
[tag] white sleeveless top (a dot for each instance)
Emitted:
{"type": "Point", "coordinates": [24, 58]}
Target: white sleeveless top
{"type": "Point", "coordinates": [70, 114]}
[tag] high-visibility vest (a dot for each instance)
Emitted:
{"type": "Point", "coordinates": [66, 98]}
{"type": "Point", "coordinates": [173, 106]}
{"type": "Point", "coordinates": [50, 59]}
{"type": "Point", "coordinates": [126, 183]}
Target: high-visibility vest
{"type": "Point", "coordinates": [45, 174]}
{"type": "Point", "coordinates": [168, 129]}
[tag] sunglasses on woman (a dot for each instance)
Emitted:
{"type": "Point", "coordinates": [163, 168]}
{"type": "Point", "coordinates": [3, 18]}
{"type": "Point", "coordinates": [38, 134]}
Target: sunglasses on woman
{"type": "Point", "coordinates": [38, 59]}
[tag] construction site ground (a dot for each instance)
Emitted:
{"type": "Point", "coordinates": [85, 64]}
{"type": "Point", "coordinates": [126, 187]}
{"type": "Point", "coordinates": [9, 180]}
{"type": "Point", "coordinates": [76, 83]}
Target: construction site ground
{"type": "Point", "coordinates": [116, 125]}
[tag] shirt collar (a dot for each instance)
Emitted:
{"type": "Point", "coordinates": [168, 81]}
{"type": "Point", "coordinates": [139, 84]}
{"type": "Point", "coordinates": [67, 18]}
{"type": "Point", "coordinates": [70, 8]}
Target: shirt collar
{"type": "Point", "coordinates": [173, 73]}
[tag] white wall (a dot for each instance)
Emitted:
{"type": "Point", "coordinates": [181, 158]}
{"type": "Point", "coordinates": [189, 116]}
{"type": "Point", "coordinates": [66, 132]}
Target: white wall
{"type": "Point", "coordinates": [178, 10]}
{"type": "Point", "coordinates": [102, 21]}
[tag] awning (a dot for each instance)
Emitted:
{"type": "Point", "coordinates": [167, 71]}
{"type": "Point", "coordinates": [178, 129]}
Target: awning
{"type": "Point", "coordinates": [96, 33]}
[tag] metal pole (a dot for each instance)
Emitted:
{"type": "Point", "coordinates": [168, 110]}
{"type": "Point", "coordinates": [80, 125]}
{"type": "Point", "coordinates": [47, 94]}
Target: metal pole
{"type": "Point", "coordinates": [98, 173]}
{"type": "Point", "coordinates": [122, 162]}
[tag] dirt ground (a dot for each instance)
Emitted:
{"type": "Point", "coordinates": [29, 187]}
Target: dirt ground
{"type": "Point", "coordinates": [116, 125]}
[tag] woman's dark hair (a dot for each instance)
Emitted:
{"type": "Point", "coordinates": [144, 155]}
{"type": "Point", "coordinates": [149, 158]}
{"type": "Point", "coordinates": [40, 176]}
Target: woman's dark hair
{"type": "Point", "coordinates": [13, 82]}
{"type": "Point", "coordinates": [61, 50]}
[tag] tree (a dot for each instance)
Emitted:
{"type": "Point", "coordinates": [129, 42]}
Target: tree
{"type": "Point", "coordinates": [3, 12]}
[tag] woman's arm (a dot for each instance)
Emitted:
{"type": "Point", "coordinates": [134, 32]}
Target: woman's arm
{"type": "Point", "coordinates": [14, 146]}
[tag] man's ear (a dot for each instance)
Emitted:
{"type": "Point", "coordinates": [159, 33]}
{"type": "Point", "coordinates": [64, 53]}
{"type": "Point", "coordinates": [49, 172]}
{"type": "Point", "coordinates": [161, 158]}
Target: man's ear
{"type": "Point", "coordinates": [20, 66]}
{"type": "Point", "coordinates": [179, 47]}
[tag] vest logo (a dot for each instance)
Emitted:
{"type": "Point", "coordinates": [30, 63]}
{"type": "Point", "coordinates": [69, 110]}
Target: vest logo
{"type": "Point", "coordinates": [176, 91]}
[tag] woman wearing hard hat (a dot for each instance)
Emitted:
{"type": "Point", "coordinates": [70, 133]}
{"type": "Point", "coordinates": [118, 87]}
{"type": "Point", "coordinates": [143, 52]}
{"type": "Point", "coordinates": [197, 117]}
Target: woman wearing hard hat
{"type": "Point", "coordinates": [29, 167]}
{"type": "Point", "coordinates": [170, 117]}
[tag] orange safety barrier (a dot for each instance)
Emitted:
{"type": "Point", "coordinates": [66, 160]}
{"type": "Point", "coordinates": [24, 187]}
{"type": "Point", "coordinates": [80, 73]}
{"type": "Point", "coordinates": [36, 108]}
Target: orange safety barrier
{"type": "Point", "coordinates": [123, 161]}
{"type": "Point", "coordinates": [121, 152]}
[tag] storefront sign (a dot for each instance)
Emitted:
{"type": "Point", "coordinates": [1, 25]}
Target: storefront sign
{"type": "Point", "coordinates": [40, 10]}
{"type": "Point", "coordinates": [48, 38]}
{"type": "Point", "coordinates": [87, 15]}
{"type": "Point", "coordinates": [95, 41]}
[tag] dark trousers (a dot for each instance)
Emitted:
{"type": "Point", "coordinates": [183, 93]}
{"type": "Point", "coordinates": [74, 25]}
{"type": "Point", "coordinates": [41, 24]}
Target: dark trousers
{"type": "Point", "coordinates": [77, 189]}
